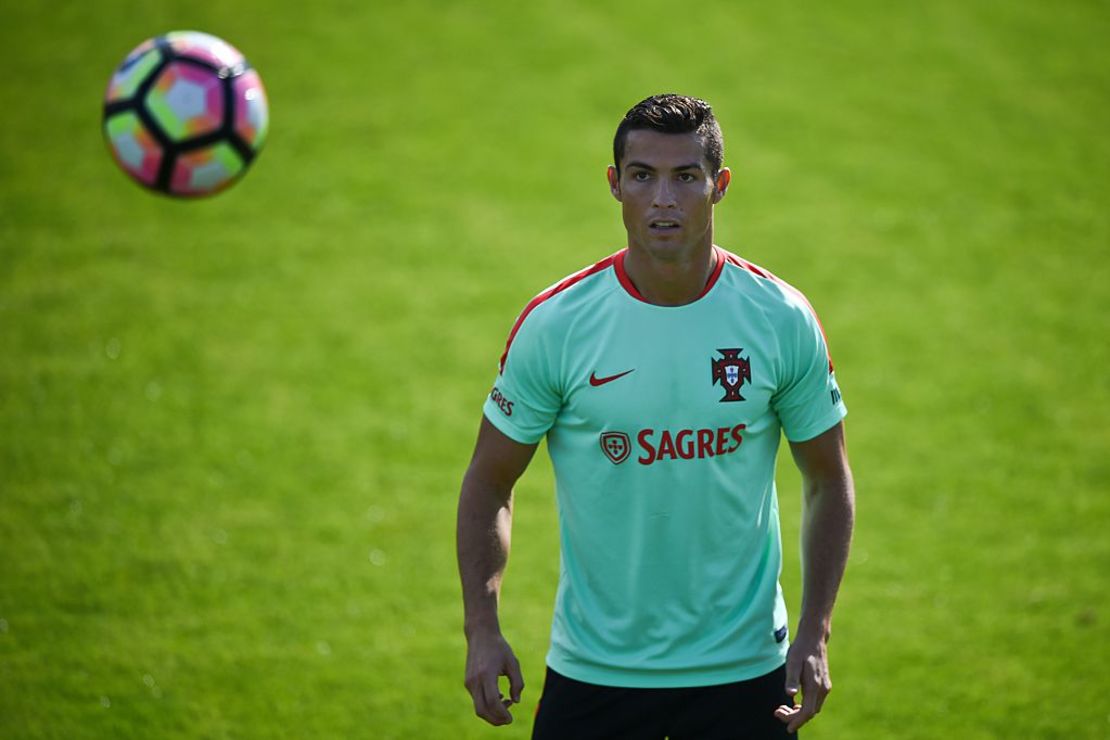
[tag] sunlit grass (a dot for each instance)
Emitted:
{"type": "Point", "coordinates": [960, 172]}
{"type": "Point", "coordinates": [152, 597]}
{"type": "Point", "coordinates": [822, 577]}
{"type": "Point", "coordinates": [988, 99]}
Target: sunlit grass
{"type": "Point", "coordinates": [232, 431]}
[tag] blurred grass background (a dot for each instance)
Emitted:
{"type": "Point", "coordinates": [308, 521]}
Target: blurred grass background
{"type": "Point", "coordinates": [232, 431]}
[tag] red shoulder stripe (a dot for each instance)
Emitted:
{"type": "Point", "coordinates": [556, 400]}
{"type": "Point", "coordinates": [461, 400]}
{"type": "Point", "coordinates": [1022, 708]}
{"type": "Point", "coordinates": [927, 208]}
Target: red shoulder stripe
{"type": "Point", "coordinates": [559, 287]}
{"type": "Point", "coordinates": [755, 269]}
{"type": "Point", "coordinates": [741, 262]}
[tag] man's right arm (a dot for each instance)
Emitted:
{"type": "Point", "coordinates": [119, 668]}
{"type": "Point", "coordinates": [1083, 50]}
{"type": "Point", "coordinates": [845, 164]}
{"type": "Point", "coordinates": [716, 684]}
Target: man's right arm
{"type": "Point", "coordinates": [483, 534]}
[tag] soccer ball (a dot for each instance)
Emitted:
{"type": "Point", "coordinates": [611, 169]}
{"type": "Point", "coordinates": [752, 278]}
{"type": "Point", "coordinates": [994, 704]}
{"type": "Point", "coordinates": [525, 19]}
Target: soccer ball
{"type": "Point", "coordinates": [185, 114]}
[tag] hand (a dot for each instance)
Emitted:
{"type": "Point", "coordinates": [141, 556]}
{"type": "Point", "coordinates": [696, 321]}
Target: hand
{"type": "Point", "coordinates": [807, 668]}
{"type": "Point", "coordinates": [488, 657]}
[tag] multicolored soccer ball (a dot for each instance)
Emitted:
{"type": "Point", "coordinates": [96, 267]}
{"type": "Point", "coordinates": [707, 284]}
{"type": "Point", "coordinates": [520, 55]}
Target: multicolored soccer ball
{"type": "Point", "coordinates": [185, 114]}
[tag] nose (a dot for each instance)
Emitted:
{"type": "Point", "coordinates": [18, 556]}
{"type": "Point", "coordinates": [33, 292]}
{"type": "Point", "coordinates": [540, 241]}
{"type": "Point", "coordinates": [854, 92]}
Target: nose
{"type": "Point", "coordinates": [664, 195]}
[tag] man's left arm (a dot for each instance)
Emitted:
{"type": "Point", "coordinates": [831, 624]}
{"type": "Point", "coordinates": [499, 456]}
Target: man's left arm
{"type": "Point", "coordinates": [827, 518]}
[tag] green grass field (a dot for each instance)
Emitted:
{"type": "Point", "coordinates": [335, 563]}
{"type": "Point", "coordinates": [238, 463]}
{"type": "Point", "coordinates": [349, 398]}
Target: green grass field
{"type": "Point", "coordinates": [232, 431]}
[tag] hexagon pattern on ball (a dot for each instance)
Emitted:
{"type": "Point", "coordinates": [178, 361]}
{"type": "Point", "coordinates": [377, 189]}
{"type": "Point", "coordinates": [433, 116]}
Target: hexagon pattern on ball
{"type": "Point", "coordinates": [185, 114]}
{"type": "Point", "coordinates": [134, 148]}
{"type": "Point", "coordinates": [186, 101]}
{"type": "Point", "coordinates": [206, 171]}
{"type": "Point", "coordinates": [138, 65]}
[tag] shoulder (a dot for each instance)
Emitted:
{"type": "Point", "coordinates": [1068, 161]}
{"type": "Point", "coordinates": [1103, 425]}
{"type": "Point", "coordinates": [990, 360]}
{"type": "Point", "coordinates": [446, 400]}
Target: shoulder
{"type": "Point", "coordinates": [566, 294]}
{"type": "Point", "coordinates": [759, 282]}
{"type": "Point", "coordinates": [559, 303]}
{"type": "Point", "coordinates": [786, 309]}
{"type": "Point", "coordinates": [777, 298]}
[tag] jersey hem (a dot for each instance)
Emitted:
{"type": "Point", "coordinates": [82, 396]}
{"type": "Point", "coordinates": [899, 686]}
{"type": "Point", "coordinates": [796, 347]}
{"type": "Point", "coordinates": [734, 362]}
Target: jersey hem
{"type": "Point", "coordinates": [818, 428]}
{"type": "Point", "coordinates": [630, 679]}
{"type": "Point", "coordinates": [509, 430]}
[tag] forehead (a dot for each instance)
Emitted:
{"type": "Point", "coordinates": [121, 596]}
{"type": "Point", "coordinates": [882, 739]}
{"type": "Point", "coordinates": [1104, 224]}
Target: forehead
{"type": "Point", "coordinates": [664, 151]}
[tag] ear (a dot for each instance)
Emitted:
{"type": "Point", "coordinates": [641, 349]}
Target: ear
{"type": "Point", "coordinates": [614, 182]}
{"type": "Point", "coordinates": [724, 177]}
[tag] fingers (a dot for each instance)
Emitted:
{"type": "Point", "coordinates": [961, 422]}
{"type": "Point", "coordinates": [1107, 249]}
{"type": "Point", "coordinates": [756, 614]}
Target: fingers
{"type": "Point", "coordinates": [482, 683]}
{"type": "Point", "coordinates": [824, 686]}
{"type": "Point", "coordinates": [497, 712]}
{"type": "Point", "coordinates": [809, 703]}
{"type": "Point", "coordinates": [785, 713]}
{"type": "Point", "coordinates": [516, 679]}
{"type": "Point", "coordinates": [815, 686]}
{"type": "Point", "coordinates": [487, 700]}
{"type": "Point", "coordinates": [793, 673]}
{"type": "Point", "coordinates": [488, 705]}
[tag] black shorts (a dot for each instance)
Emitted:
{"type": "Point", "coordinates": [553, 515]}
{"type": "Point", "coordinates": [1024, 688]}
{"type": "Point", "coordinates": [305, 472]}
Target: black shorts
{"type": "Point", "coordinates": [573, 710]}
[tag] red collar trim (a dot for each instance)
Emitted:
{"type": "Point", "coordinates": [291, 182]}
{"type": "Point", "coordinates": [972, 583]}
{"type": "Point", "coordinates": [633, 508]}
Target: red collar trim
{"type": "Point", "coordinates": [622, 275]}
{"type": "Point", "coordinates": [627, 284]}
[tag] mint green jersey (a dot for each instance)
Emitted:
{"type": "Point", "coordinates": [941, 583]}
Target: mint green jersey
{"type": "Point", "coordinates": [663, 424]}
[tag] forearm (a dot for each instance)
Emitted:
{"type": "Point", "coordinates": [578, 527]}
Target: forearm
{"type": "Point", "coordinates": [826, 536]}
{"type": "Point", "coordinates": [483, 536]}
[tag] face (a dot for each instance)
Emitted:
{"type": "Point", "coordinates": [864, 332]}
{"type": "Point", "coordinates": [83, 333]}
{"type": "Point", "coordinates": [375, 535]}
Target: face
{"type": "Point", "coordinates": [667, 193]}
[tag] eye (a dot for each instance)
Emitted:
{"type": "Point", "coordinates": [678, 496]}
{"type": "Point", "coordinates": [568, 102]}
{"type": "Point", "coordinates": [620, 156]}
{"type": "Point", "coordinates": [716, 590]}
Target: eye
{"type": "Point", "coordinates": [641, 176]}
{"type": "Point", "coordinates": [686, 177]}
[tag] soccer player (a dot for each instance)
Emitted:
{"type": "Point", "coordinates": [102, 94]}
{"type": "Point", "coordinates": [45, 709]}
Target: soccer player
{"type": "Point", "coordinates": [662, 377]}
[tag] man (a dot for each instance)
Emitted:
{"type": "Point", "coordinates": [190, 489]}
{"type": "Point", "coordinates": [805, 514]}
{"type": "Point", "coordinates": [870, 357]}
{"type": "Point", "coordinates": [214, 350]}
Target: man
{"type": "Point", "coordinates": [661, 377]}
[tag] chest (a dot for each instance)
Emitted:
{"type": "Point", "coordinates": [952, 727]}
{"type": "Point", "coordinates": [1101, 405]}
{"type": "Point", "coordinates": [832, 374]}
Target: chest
{"type": "Point", "coordinates": [698, 372]}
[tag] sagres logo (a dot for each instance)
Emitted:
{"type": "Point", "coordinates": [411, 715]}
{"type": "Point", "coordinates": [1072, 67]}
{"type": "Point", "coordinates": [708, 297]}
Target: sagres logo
{"type": "Point", "coordinates": [503, 403]}
{"type": "Point", "coordinates": [731, 371]}
{"type": "Point", "coordinates": [616, 446]}
{"type": "Point", "coordinates": [656, 445]}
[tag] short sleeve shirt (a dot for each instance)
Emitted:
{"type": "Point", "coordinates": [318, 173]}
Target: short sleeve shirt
{"type": "Point", "coordinates": [663, 424]}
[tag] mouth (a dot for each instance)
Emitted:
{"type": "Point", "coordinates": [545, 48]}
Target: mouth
{"type": "Point", "coordinates": [663, 225]}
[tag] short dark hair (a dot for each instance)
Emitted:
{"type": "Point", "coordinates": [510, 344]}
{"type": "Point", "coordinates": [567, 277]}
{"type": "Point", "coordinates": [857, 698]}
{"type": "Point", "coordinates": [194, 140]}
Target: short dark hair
{"type": "Point", "coordinates": [671, 113]}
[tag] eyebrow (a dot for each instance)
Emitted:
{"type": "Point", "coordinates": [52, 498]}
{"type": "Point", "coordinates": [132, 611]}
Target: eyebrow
{"type": "Point", "coordinates": [680, 168]}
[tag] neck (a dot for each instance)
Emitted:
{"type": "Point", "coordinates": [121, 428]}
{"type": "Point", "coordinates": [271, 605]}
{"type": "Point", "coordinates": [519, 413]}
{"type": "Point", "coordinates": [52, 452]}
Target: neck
{"type": "Point", "coordinates": [670, 282]}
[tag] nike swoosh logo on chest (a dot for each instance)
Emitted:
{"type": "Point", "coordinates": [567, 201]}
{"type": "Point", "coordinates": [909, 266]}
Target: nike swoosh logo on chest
{"type": "Point", "coordinates": [596, 381]}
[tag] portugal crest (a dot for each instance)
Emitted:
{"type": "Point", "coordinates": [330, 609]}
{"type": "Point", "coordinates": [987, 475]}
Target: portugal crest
{"type": "Point", "coordinates": [616, 446]}
{"type": "Point", "coordinates": [730, 372]}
